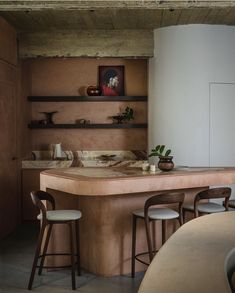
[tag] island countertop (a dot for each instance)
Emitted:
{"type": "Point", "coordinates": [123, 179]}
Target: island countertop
{"type": "Point", "coordinates": [109, 181]}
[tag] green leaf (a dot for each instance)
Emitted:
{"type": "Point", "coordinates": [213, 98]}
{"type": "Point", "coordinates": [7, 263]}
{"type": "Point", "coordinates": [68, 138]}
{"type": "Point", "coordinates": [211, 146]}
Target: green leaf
{"type": "Point", "coordinates": [167, 153]}
{"type": "Point", "coordinates": [157, 147]}
{"type": "Point", "coordinates": [161, 149]}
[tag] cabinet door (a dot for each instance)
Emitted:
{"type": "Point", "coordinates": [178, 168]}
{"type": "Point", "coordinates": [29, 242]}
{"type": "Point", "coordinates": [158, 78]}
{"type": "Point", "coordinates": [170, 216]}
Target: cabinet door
{"type": "Point", "coordinates": [8, 170]}
{"type": "Point", "coordinates": [222, 126]}
{"type": "Point", "coordinates": [30, 182]}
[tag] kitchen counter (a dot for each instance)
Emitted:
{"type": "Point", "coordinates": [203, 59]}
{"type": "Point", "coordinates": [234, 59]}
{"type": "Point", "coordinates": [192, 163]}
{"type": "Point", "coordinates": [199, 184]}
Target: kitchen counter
{"type": "Point", "coordinates": [109, 181]}
{"type": "Point", "coordinates": [107, 197]}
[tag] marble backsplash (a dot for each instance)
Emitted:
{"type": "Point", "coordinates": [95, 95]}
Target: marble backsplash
{"type": "Point", "coordinates": [43, 159]}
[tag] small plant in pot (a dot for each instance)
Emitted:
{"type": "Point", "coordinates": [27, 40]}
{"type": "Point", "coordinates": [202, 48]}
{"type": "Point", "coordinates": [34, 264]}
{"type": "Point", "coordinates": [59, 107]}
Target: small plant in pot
{"type": "Point", "coordinates": [165, 161]}
{"type": "Point", "coordinates": [127, 115]}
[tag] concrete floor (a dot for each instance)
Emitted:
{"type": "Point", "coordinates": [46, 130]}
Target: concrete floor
{"type": "Point", "coordinates": [16, 256]}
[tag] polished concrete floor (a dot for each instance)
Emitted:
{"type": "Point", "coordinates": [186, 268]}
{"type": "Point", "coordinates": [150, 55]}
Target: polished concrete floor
{"type": "Point", "coordinates": [16, 255]}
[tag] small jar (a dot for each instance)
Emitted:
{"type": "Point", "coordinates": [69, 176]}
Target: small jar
{"type": "Point", "coordinates": [93, 91]}
{"type": "Point", "coordinates": [152, 168]}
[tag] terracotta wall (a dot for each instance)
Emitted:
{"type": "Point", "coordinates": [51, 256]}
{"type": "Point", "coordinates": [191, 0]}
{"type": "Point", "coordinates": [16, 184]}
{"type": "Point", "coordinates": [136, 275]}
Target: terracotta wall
{"type": "Point", "coordinates": [9, 179]}
{"type": "Point", "coordinates": [58, 76]}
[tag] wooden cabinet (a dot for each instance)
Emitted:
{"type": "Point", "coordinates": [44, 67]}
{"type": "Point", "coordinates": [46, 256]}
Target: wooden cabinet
{"type": "Point", "coordinates": [30, 181]}
{"type": "Point", "coordinates": [8, 171]}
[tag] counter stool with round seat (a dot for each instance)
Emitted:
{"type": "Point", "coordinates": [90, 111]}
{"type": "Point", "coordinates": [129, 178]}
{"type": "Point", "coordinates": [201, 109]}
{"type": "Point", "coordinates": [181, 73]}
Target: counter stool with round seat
{"type": "Point", "coordinates": [231, 203]}
{"type": "Point", "coordinates": [152, 214]}
{"type": "Point", "coordinates": [49, 218]}
{"type": "Point", "coordinates": [208, 207]}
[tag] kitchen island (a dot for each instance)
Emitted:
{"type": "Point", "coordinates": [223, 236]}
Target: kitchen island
{"type": "Point", "coordinates": [107, 197]}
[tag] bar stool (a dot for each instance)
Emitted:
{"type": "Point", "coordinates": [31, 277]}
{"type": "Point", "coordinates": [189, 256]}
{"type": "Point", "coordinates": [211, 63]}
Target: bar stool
{"type": "Point", "coordinates": [231, 203]}
{"type": "Point", "coordinates": [154, 214]}
{"type": "Point", "coordinates": [49, 218]}
{"type": "Point", "coordinates": [208, 207]}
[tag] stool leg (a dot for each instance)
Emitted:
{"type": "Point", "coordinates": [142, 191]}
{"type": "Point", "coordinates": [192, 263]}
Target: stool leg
{"type": "Point", "coordinates": [148, 235]}
{"type": "Point", "coordinates": [72, 255]}
{"type": "Point", "coordinates": [181, 218]}
{"type": "Point", "coordinates": [163, 231]}
{"type": "Point", "coordinates": [184, 214]}
{"type": "Point", "coordinates": [78, 248]}
{"type": "Point", "coordinates": [37, 253]}
{"type": "Point", "coordinates": [45, 249]}
{"type": "Point", "coordinates": [134, 219]}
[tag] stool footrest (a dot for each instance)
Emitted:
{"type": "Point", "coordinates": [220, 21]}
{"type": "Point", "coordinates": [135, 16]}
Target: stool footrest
{"type": "Point", "coordinates": [143, 253]}
{"type": "Point", "coordinates": [49, 254]}
{"type": "Point", "coordinates": [55, 267]}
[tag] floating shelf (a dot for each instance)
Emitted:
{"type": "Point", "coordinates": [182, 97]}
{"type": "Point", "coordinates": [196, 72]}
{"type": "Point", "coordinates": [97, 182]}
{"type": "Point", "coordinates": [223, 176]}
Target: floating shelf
{"type": "Point", "coordinates": [86, 98]}
{"type": "Point", "coordinates": [88, 126]}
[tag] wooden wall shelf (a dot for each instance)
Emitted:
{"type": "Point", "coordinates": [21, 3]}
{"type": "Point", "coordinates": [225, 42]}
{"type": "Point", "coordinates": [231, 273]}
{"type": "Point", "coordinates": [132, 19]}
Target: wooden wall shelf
{"type": "Point", "coordinates": [88, 126]}
{"type": "Point", "coordinates": [86, 98]}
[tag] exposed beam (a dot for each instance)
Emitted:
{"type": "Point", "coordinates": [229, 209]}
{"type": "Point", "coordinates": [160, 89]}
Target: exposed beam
{"type": "Point", "coordinates": [93, 43]}
{"type": "Point", "coordinates": [18, 5]}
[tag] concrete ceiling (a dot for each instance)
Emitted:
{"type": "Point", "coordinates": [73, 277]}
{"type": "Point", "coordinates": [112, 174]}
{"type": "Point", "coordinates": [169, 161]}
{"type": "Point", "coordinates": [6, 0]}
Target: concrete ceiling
{"type": "Point", "coordinates": [104, 28]}
{"type": "Point", "coordinates": [35, 16]}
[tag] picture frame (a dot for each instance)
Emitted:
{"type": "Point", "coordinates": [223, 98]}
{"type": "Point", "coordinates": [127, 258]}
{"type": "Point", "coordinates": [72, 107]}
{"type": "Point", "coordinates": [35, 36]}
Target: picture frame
{"type": "Point", "coordinates": [111, 80]}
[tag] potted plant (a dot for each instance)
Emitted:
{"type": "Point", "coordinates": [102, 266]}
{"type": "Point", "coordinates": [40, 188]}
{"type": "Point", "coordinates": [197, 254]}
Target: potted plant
{"type": "Point", "coordinates": [127, 115]}
{"type": "Point", "coordinates": [165, 161]}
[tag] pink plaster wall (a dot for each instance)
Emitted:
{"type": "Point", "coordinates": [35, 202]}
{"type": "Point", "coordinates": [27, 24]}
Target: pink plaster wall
{"type": "Point", "coordinates": [58, 76]}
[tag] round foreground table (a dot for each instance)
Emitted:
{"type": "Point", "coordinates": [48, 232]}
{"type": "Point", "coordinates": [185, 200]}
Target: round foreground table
{"type": "Point", "coordinates": [195, 259]}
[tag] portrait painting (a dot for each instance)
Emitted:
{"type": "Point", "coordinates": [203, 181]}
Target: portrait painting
{"type": "Point", "coordinates": [111, 80]}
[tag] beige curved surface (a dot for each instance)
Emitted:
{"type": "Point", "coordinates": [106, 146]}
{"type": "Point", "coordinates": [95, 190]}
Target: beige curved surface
{"type": "Point", "coordinates": [195, 258]}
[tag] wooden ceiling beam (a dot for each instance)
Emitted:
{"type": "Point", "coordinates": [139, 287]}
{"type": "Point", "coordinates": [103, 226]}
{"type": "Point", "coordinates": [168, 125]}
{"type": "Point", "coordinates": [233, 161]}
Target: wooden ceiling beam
{"type": "Point", "coordinates": [18, 5]}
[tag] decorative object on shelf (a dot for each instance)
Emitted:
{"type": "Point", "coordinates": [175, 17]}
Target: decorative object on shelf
{"type": "Point", "coordinates": [93, 91]}
{"type": "Point", "coordinates": [111, 80]}
{"type": "Point", "coordinates": [49, 117]}
{"type": "Point", "coordinates": [127, 115]}
{"type": "Point", "coordinates": [82, 90]}
{"type": "Point", "coordinates": [83, 121]}
{"type": "Point", "coordinates": [165, 161]}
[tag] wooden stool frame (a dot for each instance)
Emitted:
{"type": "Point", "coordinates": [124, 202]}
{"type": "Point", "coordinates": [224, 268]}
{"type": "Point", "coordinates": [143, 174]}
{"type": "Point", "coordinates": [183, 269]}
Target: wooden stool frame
{"type": "Point", "coordinates": [37, 197]}
{"type": "Point", "coordinates": [213, 193]}
{"type": "Point", "coordinates": [160, 199]}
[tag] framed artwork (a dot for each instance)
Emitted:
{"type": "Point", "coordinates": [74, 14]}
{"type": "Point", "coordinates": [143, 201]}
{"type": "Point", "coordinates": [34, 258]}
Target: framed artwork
{"type": "Point", "coordinates": [111, 80]}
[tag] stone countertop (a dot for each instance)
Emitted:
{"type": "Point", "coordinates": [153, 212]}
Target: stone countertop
{"type": "Point", "coordinates": [52, 164]}
{"type": "Point", "coordinates": [45, 164]}
{"type": "Point", "coordinates": [85, 158]}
